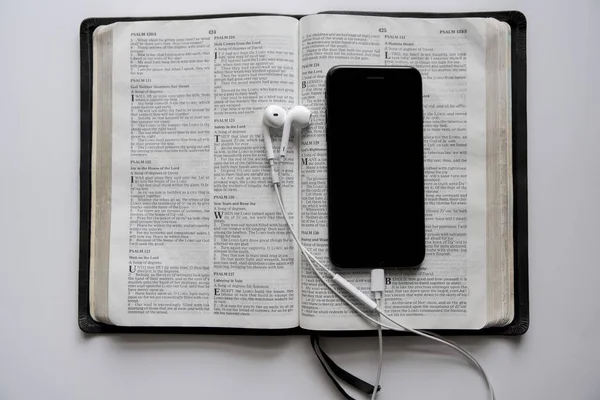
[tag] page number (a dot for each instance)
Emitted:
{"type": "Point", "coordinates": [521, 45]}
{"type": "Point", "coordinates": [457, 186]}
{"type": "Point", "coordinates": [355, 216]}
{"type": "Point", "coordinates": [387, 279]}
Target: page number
{"type": "Point", "coordinates": [382, 30]}
{"type": "Point", "coordinates": [212, 31]}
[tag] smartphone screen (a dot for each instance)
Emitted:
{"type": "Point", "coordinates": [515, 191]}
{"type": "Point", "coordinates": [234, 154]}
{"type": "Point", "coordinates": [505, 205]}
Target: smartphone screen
{"type": "Point", "coordinates": [376, 199]}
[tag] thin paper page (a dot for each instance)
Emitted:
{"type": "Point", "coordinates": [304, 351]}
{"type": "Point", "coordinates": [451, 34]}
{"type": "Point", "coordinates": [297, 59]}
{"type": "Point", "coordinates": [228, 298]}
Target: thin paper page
{"type": "Point", "coordinates": [196, 235]}
{"type": "Point", "coordinates": [448, 290]}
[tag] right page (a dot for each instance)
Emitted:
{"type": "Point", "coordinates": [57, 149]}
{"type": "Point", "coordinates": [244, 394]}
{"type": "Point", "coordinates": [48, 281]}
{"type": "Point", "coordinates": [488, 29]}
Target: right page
{"type": "Point", "coordinates": [448, 291]}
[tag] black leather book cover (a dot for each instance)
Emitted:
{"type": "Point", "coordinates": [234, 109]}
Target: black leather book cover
{"type": "Point", "coordinates": [520, 324]}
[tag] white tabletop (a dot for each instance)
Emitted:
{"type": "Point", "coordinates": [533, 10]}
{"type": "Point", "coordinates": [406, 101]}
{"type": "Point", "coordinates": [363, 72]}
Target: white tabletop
{"type": "Point", "coordinates": [44, 355]}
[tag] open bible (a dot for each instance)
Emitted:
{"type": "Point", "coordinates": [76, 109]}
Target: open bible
{"type": "Point", "coordinates": [185, 229]}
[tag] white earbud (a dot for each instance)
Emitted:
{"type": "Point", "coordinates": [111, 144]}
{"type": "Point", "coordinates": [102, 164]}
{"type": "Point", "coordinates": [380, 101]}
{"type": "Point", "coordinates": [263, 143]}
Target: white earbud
{"type": "Point", "coordinates": [299, 118]}
{"type": "Point", "coordinates": [273, 117]}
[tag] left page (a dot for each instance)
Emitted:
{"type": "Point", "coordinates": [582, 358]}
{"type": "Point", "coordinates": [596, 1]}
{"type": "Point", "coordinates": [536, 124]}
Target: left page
{"type": "Point", "coordinates": [195, 234]}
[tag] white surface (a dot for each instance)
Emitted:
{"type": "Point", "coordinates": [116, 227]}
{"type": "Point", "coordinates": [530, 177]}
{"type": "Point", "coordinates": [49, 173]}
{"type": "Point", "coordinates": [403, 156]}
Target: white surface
{"type": "Point", "coordinates": [44, 355]}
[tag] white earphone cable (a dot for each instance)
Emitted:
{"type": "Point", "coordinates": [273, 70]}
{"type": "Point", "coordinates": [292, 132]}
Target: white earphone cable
{"type": "Point", "coordinates": [380, 363]}
{"type": "Point", "coordinates": [310, 258]}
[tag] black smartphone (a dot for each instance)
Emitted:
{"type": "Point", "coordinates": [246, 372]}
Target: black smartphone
{"type": "Point", "coordinates": [375, 173]}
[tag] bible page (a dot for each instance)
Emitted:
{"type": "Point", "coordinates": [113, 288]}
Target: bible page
{"type": "Point", "coordinates": [449, 289]}
{"type": "Point", "coordinates": [196, 235]}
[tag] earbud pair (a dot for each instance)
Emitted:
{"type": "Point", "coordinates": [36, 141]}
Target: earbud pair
{"type": "Point", "coordinates": [276, 117]}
